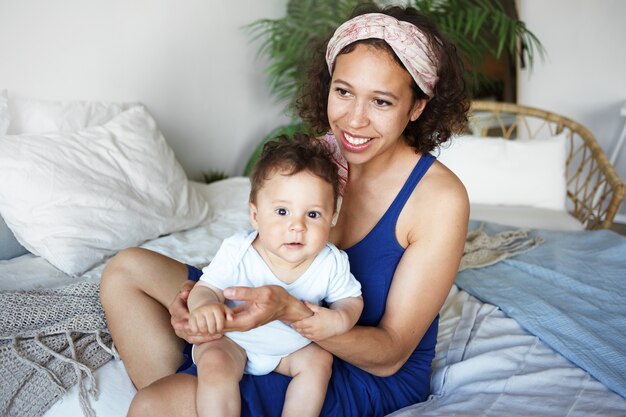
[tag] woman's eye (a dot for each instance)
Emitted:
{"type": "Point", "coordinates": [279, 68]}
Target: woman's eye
{"type": "Point", "coordinates": [281, 212]}
{"type": "Point", "coordinates": [342, 91]}
{"type": "Point", "coordinates": [314, 214]}
{"type": "Point", "coordinates": [381, 103]}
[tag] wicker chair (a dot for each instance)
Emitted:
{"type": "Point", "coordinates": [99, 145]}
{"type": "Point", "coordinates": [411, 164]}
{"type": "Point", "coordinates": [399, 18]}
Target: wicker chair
{"type": "Point", "coordinates": [594, 190]}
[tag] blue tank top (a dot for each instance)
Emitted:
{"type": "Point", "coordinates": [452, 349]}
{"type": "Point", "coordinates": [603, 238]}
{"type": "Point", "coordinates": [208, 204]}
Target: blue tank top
{"type": "Point", "coordinates": [374, 259]}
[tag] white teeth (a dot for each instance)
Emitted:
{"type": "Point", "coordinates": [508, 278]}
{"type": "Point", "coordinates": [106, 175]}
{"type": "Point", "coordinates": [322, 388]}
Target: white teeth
{"type": "Point", "coordinates": [356, 141]}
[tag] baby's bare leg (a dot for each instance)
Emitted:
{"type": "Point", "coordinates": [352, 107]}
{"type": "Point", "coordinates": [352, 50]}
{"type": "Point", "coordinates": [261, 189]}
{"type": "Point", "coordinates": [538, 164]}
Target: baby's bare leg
{"type": "Point", "coordinates": [310, 368]}
{"type": "Point", "coordinates": [220, 368]}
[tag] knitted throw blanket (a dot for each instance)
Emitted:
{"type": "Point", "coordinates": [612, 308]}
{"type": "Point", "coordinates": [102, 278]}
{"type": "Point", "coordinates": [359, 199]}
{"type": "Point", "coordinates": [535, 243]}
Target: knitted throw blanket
{"type": "Point", "coordinates": [50, 340]}
{"type": "Point", "coordinates": [483, 250]}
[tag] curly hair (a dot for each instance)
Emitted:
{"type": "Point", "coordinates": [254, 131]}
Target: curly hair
{"type": "Point", "coordinates": [292, 155]}
{"type": "Point", "coordinates": [444, 115]}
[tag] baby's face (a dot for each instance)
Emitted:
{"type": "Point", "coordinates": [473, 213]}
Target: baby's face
{"type": "Point", "coordinates": [293, 214]}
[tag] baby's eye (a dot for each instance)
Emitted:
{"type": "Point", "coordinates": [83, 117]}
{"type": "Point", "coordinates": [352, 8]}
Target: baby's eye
{"type": "Point", "coordinates": [314, 214]}
{"type": "Point", "coordinates": [281, 211]}
{"type": "Point", "coordinates": [382, 103]}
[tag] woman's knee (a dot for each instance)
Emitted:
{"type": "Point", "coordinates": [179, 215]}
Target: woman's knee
{"type": "Point", "coordinates": [121, 273]}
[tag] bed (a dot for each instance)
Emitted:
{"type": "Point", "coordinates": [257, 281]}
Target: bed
{"type": "Point", "coordinates": [539, 333]}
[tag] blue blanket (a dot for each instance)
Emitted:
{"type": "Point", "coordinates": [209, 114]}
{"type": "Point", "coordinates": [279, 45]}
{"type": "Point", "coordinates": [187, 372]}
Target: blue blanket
{"type": "Point", "coordinates": [570, 292]}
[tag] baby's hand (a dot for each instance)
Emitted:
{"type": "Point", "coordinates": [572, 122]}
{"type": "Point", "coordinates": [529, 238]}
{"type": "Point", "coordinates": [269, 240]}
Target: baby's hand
{"type": "Point", "coordinates": [209, 318]}
{"type": "Point", "coordinates": [324, 323]}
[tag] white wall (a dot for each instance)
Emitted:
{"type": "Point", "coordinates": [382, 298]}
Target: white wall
{"type": "Point", "coordinates": [196, 69]}
{"type": "Point", "coordinates": [189, 61]}
{"type": "Point", "coordinates": [584, 76]}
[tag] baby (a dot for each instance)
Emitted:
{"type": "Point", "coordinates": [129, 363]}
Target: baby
{"type": "Point", "coordinates": [295, 187]}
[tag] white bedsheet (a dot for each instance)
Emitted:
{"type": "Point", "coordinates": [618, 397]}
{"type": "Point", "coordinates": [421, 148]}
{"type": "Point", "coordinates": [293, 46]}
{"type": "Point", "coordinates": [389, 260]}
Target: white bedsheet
{"type": "Point", "coordinates": [486, 364]}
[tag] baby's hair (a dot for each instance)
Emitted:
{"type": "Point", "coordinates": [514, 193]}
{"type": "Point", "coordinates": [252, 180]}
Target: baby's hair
{"type": "Point", "coordinates": [293, 155]}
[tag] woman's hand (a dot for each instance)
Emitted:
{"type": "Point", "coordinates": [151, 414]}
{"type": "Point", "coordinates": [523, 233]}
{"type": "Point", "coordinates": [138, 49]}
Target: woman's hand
{"type": "Point", "coordinates": [179, 317]}
{"type": "Point", "coordinates": [262, 305]}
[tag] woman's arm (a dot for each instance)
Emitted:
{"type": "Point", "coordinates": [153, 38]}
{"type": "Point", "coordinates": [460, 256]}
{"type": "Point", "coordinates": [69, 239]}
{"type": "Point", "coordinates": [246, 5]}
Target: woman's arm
{"type": "Point", "coordinates": [419, 288]}
{"type": "Point", "coordinates": [435, 239]}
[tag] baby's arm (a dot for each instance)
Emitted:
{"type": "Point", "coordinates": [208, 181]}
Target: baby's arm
{"type": "Point", "coordinates": [326, 322]}
{"type": "Point", "coordinates": [207, 311]}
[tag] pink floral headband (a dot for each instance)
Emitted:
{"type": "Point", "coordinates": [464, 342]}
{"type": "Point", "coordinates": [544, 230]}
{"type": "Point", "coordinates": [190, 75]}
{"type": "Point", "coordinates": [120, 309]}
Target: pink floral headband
{"type": "Point", "coordinates": [406, 40]}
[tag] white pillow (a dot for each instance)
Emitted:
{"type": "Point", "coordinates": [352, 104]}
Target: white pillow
{"type": "Point", "coordinates": [38, 116]}
{"type": "Point", "coordinates": [75, 198]}
{"type": "Point", "coordinates": [27, 115]}
{"type": "Point", "coordinates": [523, 172]}
{"type": "Point", "coordinates": [9, 246]}
{"type": "Point", "coordinates": [4, 112]}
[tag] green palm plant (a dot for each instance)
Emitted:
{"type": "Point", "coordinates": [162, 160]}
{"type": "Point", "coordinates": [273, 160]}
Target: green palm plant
{"type": "Point", "coordinates": [480, 28]}
{"type": "Point", "coordinates": [285, 41]}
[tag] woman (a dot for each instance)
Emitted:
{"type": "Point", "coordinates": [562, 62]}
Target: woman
{"type": "Point", "coordinates": [389, 89]}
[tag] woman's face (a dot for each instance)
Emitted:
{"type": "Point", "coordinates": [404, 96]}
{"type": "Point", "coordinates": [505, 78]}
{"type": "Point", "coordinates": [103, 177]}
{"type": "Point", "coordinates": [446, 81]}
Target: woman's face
{"type": "Point", "coordinates": [370, 103]}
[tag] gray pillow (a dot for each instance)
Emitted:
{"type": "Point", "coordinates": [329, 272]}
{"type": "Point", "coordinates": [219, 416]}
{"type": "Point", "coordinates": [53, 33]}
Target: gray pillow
{"type": "Point", "coordinates": [9, 246]}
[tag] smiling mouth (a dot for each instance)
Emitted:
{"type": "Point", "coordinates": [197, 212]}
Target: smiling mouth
{"type": "Point", "coordinates": [355, 141]}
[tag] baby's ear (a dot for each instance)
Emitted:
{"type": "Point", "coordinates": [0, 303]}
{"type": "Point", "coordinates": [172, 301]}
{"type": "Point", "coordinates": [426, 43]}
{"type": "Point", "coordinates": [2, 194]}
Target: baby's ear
{"type": "Point", "coordinates": [253, 215]}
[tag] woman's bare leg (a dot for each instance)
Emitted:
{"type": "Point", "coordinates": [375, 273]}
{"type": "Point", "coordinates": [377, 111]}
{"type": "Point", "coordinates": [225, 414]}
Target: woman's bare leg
{"type": "Point", "coordinates": [172, 396]}
{"type": "Point", "coordinates": [136, 288]}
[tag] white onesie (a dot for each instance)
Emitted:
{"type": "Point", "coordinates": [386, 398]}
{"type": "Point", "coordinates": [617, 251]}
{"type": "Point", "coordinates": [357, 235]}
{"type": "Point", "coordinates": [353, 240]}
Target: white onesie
{"type": "Point", "coordinates": [237, 263]}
